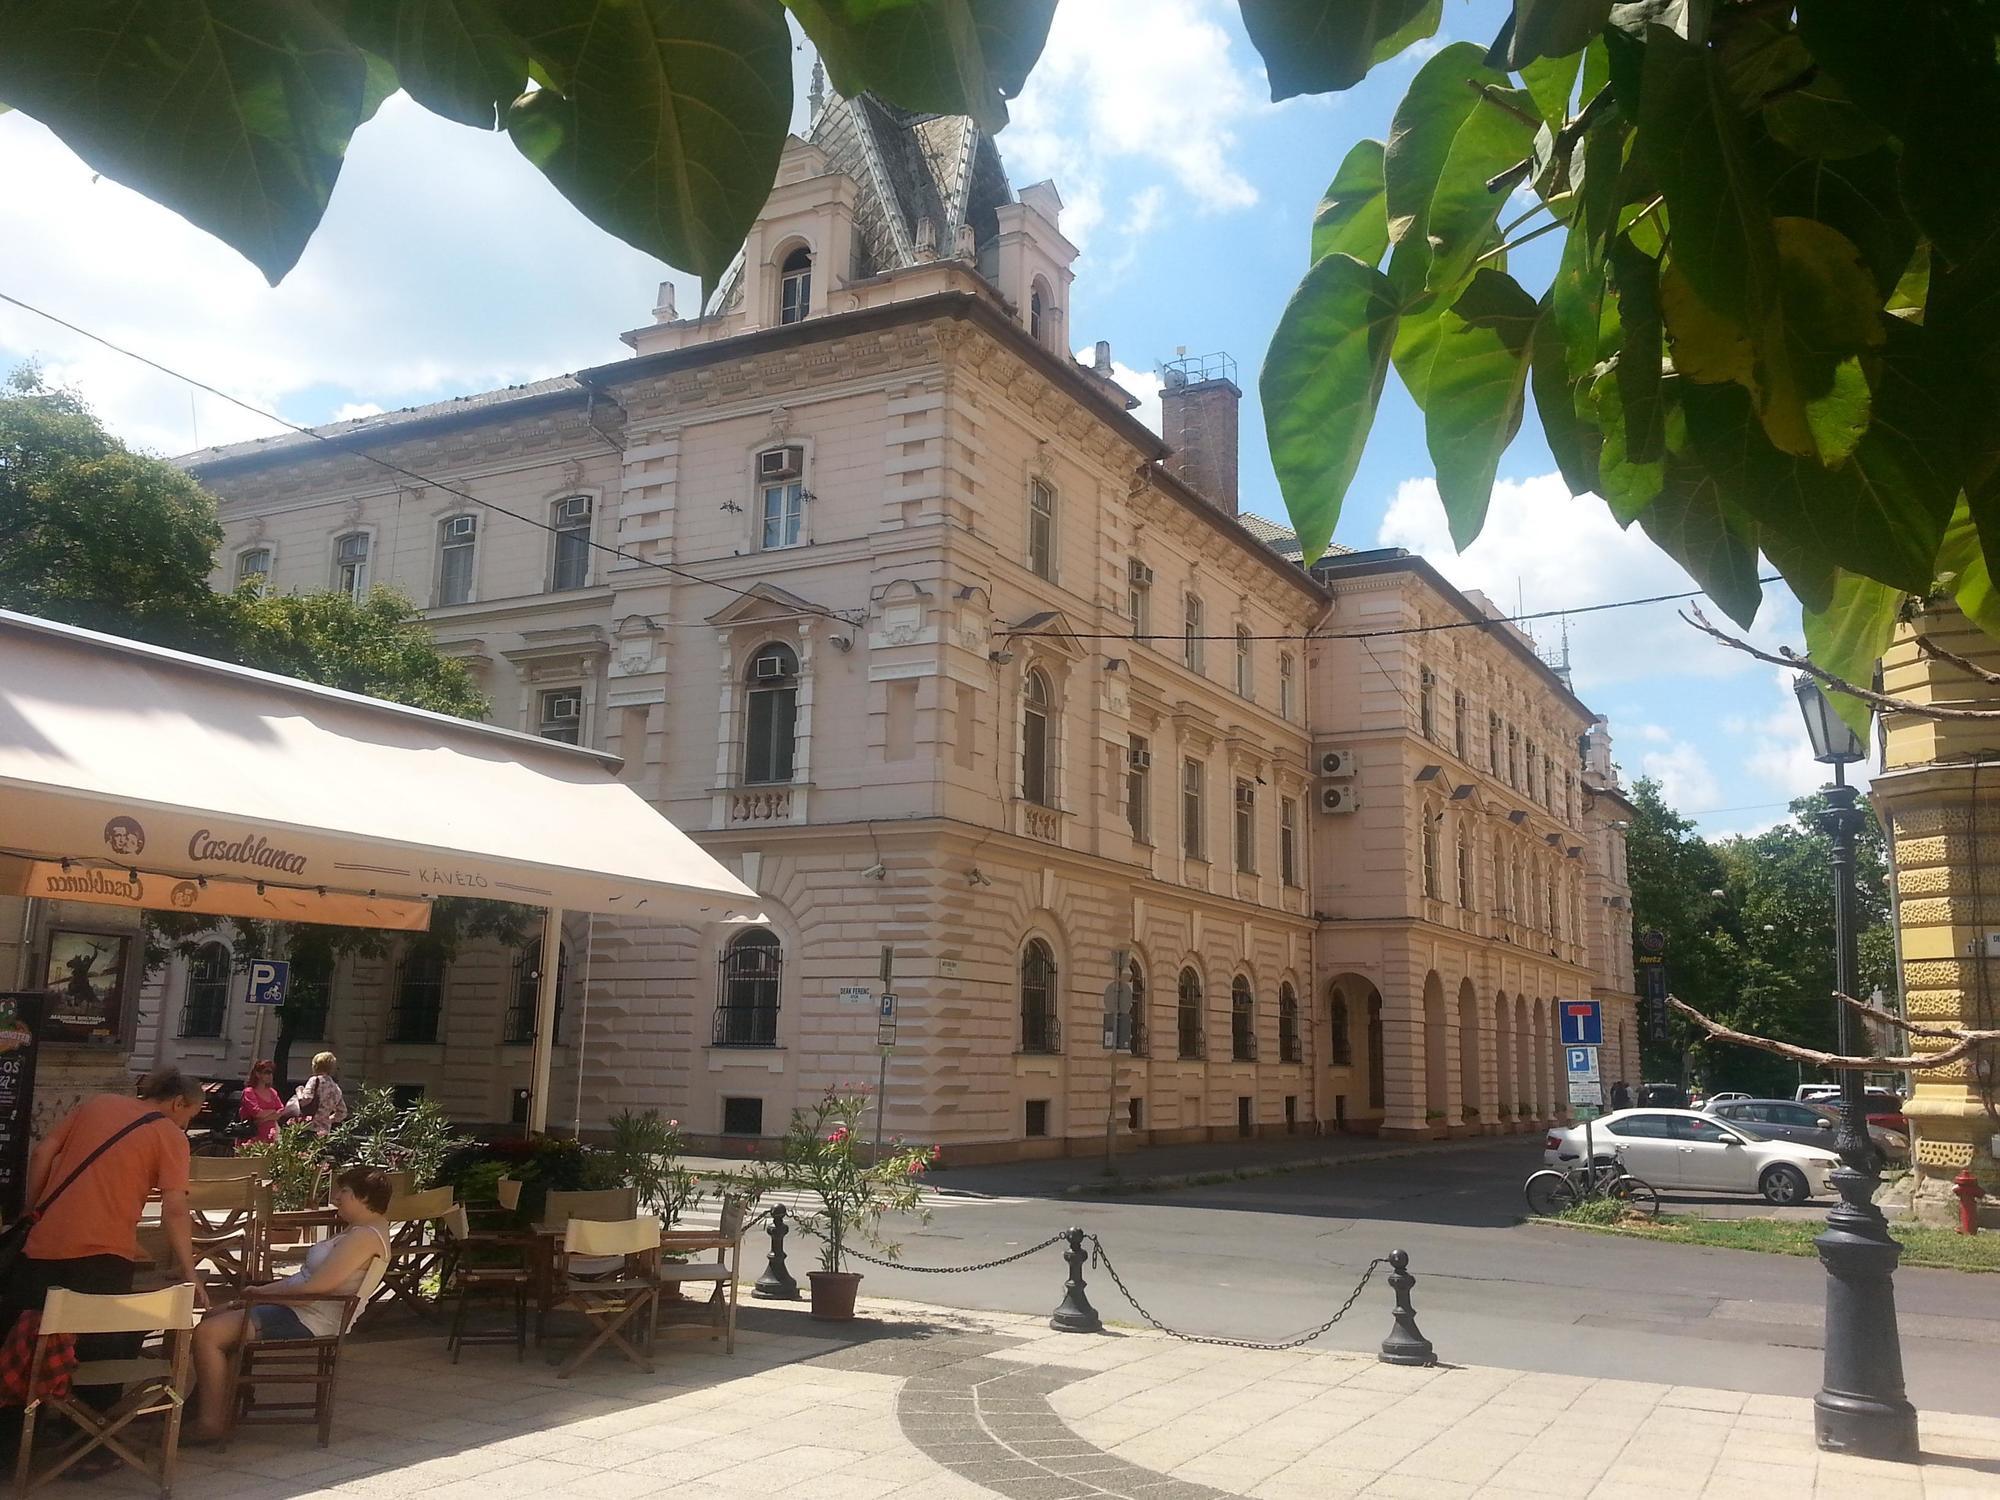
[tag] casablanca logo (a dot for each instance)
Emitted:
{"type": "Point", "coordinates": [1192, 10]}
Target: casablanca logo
{"type": "Point", "coordinates": [183, 894]}
{"type": "Point", "coordinates": [254, 849]}
{"type": "Point", "coordinates": [125, 836]}
{"type": "Point", "coordinates": [112, 885]}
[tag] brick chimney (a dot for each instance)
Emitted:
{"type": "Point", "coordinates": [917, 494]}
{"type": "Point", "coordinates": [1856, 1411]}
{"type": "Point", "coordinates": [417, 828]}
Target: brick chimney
{"type": "Point", "coordinates": [1199, 398]}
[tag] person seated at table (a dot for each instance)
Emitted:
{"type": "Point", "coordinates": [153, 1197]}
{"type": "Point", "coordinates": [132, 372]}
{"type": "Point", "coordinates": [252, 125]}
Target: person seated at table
{"type": "Point", "coordinates": [334, 1269]}
{"type": "Point", "coordinates": [262, 1104]}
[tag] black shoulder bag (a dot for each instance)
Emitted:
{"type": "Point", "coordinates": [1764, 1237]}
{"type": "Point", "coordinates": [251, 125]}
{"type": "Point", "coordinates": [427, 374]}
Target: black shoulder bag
{"type": "Point", "coordinates": [14, 1239]}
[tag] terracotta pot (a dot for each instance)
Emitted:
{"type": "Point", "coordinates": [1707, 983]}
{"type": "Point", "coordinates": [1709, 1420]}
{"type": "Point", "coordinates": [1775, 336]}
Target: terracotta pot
{"type": "Point", "coordinates": [833, 1294]}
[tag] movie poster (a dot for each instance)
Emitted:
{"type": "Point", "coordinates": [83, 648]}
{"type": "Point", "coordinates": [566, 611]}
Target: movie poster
{"type": "Point", "coordinates": [85, 986]}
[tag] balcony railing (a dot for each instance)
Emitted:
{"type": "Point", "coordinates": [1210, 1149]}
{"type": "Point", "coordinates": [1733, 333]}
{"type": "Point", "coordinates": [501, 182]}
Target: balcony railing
{"type": "Point", "coordinates": [1193, 1041]}
{"type": "Point", "coordinates": [746, 1026]}
{"type": "Point", "coordinates": [761, 805]}
{"type": "Point", "coordinates": [1243, 1046]}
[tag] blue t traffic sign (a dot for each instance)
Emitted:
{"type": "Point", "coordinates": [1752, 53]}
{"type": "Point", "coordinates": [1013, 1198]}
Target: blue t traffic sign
{"type": "Point", "coordinates": [1582, 1023]}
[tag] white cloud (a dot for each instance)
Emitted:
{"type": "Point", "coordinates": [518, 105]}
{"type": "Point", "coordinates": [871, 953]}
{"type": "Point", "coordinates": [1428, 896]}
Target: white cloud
{"type": "Point", "coordinates": [1144, 384]}
{"type": "Point", "coordinates": [1685, 777]}
{"type": "Point", "coordinates": [1652, 734]}
{"type": "Point", "coordinates": [1777, 751]}
{"type": "Point", "coordinates": [1546, 549]}
{"type": "Point", "coordinates": [1152, 85]}
{"type": "Point", "coordinates": [348, 411]}
{"type": "Point", "coordinates": [410, 290]}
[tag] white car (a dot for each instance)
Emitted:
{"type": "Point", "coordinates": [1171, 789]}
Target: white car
{"type": "Point", "coordinates": [1683, 1148]}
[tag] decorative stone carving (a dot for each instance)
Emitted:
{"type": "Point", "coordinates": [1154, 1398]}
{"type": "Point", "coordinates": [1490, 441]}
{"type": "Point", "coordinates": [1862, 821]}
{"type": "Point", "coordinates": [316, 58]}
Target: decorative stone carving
{"type": "Point", "coordinates": [636, 640]}
{"type": "Point", "coordinates": [572, 472]}
{"type": "Point", "coordinates": [781, 425]}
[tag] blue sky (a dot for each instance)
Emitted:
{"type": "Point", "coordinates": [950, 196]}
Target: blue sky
{"type": "Point", "coordinates": [446, 264]}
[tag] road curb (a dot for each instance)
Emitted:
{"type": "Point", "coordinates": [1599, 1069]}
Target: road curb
{"type": "Point", "coordinates": [1119, 1187]}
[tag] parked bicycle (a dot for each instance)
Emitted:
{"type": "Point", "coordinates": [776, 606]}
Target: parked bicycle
{"type": "Point", "coordinates": [1553, 1190]}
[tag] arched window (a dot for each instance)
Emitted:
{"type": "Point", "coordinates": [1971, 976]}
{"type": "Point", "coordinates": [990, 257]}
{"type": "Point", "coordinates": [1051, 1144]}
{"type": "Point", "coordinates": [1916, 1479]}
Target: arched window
{"type": "Point", "coordinates": [1242, 1021]}
{"type": "Point", "coordinates": [1429, 841]}
{"type": "Point", "coordinates": [1339, 1039]}
{"type": "Point", "coordinates": [1040, 311]}
{"type": "Point", "coordinates": [770, 724]}
{"type": "Point", "coordinates": [519, 1028]}
{"type": "Point", "coordinates": [746, 1000]}
{"type": "Point", "coordinates": [1427, 702]}
{"type": "Point", "coordinates": [795, 286]}
{"type": "Point", "coordinates": [1288, 1024]}
{"type": "Point", "coordinates": [1038, 779]}
{"type": "Point", "coordinates": [419, 995]}
{"type": "Point", "coordinates": [1135, 980]}
{"type": "Point", "coordinates": [1188, 1014]}
{"type": "Point", "coordinates": [207, 991]}
{"type": "Point", "coordinates": [1464, 866]}
{"type": "Point", "coordinates": [1041, 1030]}
{"type": "Point", "coordinates": [570, 566]}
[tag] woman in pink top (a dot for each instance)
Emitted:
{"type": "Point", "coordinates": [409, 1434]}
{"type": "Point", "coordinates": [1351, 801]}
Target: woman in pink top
{"type": "Point", "coordinates": [262, 1103]}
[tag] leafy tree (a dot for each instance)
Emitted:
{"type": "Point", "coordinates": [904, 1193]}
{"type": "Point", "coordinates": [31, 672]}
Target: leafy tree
{"type": "Point", "coordinates": [1771, 328]}
{"type": "Point", "coordinates": [96, 535]}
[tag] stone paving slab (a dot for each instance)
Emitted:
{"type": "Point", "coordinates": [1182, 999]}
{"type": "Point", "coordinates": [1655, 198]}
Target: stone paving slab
{"type": "Point", "coordinates": [925, 1403]}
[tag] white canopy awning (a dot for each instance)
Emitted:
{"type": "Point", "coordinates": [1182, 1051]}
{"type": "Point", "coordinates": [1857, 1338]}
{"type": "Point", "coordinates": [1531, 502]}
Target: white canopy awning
{"type": "Point", "coordinates": [122, 756]}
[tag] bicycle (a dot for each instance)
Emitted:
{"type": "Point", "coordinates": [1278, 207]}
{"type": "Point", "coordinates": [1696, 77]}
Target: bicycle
{"type": "Point", "coordinates": [1555, 1190]}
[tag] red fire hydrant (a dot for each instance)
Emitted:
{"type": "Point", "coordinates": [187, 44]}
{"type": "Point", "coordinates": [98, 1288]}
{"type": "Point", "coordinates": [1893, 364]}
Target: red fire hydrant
{"type": "Point", "coordinates": [1967, 1190]}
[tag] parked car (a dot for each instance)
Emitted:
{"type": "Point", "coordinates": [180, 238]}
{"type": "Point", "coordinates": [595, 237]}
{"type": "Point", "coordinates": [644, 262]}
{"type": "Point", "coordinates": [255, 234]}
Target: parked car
{"type": "Point", "coordinates": [1662, 1096]}
{"type": "Point", "coordinates": [1684, 1148]}
{"type": "Point", "coordinates": [1884, 1108]}
{"type": "Point", "coordinates": [1810, 1124]}
{"type": "Point", "coordinates": [1723, 1096]}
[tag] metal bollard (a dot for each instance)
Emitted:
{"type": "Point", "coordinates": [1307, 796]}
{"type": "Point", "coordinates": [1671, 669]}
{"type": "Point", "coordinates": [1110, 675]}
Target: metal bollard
{"type": "Point", "coordinates": [776, 1282]}
{"type": "Point", "coordinates": [1074, 1314]}
{"type": "Point", "coordinates": [1405, 1345]}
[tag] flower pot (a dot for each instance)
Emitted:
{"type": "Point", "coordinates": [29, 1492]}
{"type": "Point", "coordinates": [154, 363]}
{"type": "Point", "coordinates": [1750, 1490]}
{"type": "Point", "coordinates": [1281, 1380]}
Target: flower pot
{"type": "Point", "coordinates": [833, 1294]}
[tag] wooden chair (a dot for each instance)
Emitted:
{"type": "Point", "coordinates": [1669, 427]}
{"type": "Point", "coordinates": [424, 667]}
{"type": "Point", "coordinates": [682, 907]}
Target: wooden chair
{"type": "Point", "coordinates": [604, 1205]}
{"type": "Point", "coordinates": [224, 1168]}
{"type": "Point", "coordinates": [416, 1245]}
{"type": "Point", "coordinates": [153, 1386]}
{"type": "Point", "coordinates": [500, 1273]}
{"type": "Point", "coordinates": [230, 1217]}
{"type": "Point", "coordinates": [257, 1364]}
{"type": "Point", "coordinates": [727, 1240]}
{"type": "Point", "coordinates": [401, 1181]}
{"type": "Point", "coordinates": [629, 1298]}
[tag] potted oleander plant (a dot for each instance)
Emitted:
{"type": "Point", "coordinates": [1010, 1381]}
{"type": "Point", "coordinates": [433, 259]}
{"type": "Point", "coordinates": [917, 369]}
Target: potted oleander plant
{"type": "Point", "coordinates": [822, 1152]}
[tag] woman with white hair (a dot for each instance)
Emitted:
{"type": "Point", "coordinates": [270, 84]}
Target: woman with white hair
{"type": "Point", "coordinates": [319, 1101]}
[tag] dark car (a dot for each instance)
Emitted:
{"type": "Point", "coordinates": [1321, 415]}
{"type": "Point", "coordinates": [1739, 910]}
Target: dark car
{"type": "Point", "coordinates": [1662, 1096]}
{"type": "Point", "coordinates": [1810, 1122]}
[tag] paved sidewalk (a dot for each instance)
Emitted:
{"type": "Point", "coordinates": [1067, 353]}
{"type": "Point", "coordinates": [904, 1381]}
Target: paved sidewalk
{"type": "Point", "coordinates": [922, 1403]}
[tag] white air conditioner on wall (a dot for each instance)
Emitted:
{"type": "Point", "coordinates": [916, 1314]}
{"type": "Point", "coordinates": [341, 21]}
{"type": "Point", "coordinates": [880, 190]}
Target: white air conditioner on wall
{"type": "Point", "coordinates": [1338, 762]}
{"type": "Point", "coordinates": [1338, 799]}
{"type": "Point", "coordinates": [781, 463]}
{"type": "Point", "coordinates": [1137, 572]}
{"type": "Point", "coordinates": [1139, 760]}
{"type": "Point", "coordinates": [770, 667]}
{"type": "Point", "coordinates": [564, 706]}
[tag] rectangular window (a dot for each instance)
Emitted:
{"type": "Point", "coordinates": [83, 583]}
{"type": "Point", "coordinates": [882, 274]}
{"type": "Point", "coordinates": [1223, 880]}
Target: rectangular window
{"type": "Point", "coordinates": [1139, 597]}
{"type": "Point", "coordinates": [1548, 783]}
{"type": "Point", "coordinates": [1037, 1122]}
{"type": "Point", "coordinates": [457, 536]}
{"type": "Point", "coordinates": [1513, 757]}
{"type": "Point", "coordinates": [1288, 840]}
{"type": "Point", "coordinates": [783, 515]}
{"type": "Point", "coordinates": [1493, 743]}
{"type": "Point", "coordinates": [418, 1002]}
{"type": "Point", "coordinates": [1287, 668]}
{"type": "Point", "coordinates": [562, 716]}
{"type": "Point", "coordinates": [571, 519]}
{"type": "Point", "coordinates": [253, 567]}
{"type": "Point", "coordinates": [1191, 633]}
{"type": "Point", "coordinates": [1138, 784]}
{"type": "Point", "coordinates": [742, 1116]}
{"type": "Point", "coordinates": [1192, 775]}
{"type": "Point", "coordinates": [1246, 827]}
{"type": "Point", "coordinates": [350, 566]}
{"type": "Point", "coordinates": [771, 735]}
{"type": "Point", "coordinates": [1245, 682]}
{"type": "Point", "coordinates": [1042, 529]}
{"type": "Point", "coordinates": [1459, 728]}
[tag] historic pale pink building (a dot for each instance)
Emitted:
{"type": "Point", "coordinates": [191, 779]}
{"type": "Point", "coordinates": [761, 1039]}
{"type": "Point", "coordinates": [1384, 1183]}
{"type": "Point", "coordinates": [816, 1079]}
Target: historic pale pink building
{"type": "Point", "coordinates": [889, 600]}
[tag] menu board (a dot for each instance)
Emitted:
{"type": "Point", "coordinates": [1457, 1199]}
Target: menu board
{"type": "Point", "coordinates": [20, 1015]}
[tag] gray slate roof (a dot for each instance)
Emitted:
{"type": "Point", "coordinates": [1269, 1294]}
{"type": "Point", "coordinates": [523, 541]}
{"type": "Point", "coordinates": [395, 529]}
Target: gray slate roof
{"type": "Point", "coordinates": [1283, 540]}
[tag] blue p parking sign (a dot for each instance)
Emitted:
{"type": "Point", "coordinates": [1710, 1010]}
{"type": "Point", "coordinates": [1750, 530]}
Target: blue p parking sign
{"type": "Point", "coordinates": [268, 979]}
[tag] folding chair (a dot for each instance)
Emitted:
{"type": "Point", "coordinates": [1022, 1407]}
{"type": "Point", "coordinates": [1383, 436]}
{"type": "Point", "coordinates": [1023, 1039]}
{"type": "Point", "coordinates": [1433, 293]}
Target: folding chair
{"type": "Point", "coordinates": [223, 1168]}
{"type": "Point", "coordinates": [230, 1217]}
{"type": "Point", "coordinates": [416, 1245]}
{"type": "Point", "coordinates": [509, 1279]}
{"type": "Point", "coordinates": [610, 1304]}
{"type": "Point", "coordinates": [728, 1240]}
{"type": "Point", "coordinates": [605, 1205]}
{"type": "Point", "coordinates": [256, 1363]}
{"type": "Point", "coordinates": [152, 1386]}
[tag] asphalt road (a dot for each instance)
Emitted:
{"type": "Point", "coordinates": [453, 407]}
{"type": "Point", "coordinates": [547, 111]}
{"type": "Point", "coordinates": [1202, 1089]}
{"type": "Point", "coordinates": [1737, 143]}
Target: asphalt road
{"type": "Point", "coordinates": [1269, 1258]}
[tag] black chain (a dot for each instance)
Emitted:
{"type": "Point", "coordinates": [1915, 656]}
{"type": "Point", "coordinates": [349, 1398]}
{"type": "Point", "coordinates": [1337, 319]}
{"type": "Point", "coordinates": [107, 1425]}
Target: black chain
{"type": "Point", "coordinates": [1098, 1257]}
{"type": "Point", "coordinates": [900, 1265]}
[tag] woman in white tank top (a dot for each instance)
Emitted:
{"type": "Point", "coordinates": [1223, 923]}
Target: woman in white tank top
{"type": "Point", "coordinates": [334, 1269]}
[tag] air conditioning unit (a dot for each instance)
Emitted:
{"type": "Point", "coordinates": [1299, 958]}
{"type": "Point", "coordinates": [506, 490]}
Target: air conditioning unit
{"type": "Point", "coordinates": [1338, 799]}
{"type": "Point", "coordinates": [1139, 760]}
{"type": "Point", "coordinates": [1338, 762]}
{"type": "Point", "coordinates": [781, 463]}
{"type": "Point", "coordinates": [770, 667]}
{"type": "Point", "coordinates": [1246, 794]}
{"type": "Point", "coordinates": [460, 528]}
{"type": "Point", "coordinates": [564, 706]}
{"type": "Point", "coordinates": [1137, 572]}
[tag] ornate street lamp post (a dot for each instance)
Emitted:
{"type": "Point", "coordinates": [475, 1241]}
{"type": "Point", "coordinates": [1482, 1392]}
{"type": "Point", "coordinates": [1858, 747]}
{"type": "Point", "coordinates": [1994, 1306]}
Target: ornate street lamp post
{"type": "Point", "coordinates": [1860, 1407]}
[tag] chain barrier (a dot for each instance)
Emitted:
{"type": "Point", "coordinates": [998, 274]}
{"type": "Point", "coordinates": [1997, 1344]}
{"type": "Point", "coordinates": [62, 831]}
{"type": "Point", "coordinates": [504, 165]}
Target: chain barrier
{"type": "Point", "coordinates": [1099, 1257]}
{"type": "Point", "coordinates": [903, 1265]}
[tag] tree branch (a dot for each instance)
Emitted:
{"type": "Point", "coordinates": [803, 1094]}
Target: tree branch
{"type": "Point", "coordinates": [1951, 658]}
{"type": "Point", "coordinates": [1914, 1028]}
{"type": "Point", "coordinates": [1491, 94]}
{"type": "Point", "coordinates": [1786, 657]}
{"type": "Point", "coordinates": [1835, 1061]}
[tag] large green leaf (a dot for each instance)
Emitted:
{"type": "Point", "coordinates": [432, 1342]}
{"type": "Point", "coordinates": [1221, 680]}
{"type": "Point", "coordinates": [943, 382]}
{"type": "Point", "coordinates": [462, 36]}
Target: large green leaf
{"type": "Point", "coordinates": [1446, 141]}
{"type": "Point", "coordinates": [1551, 83]}
{"type": "Point", "coordinates": [1962, 570]}
{"type": "Point", "coordinates": [236, 116]}
{"type": "Point", "coordinates": [1574, 442]}
{"type": "Point", "coordinates": [1320, 385]}
{"type": "Point", "coordinates": [955, 57]}
{"type": "Point", "coordinates": [1635, 277]}
{"type": "Point", "coordinates": [457, 58]}
{"type": "Point", "coordinates": [1628, 478]}
{"type": "Point", "coordinates": [1478, 385]}
{"type": "Point", "coordinates": [672, 123]}
{"type": "Point", "coordinates": [1962, 323]}
{"type": "Point", "coordinates": [1554, 28]}
{"type": "Point", "coordinates": [1320, 46]}
{"type": "Point", "coordinates": [1857, 195]}
{"type": "Point", "coordinates": [1352, 219]}
{"type": "Point", "coordinates": [1690, 521]}
{"type": "Point", "coordinates": [1848, 636]}
{"type": "Point", "coordinates": [1812, 391]}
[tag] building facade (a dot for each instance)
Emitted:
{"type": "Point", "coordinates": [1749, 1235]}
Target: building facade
{"type": "Point", "coordinates": [888, 600]}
